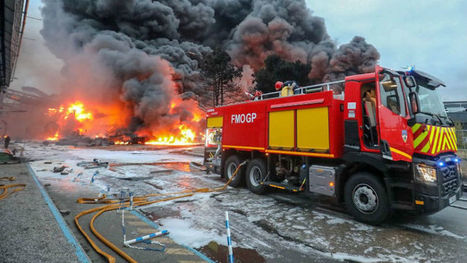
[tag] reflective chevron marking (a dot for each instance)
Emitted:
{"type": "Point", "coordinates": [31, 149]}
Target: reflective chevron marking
{"type": "Point", "coordinates": [434, 139]}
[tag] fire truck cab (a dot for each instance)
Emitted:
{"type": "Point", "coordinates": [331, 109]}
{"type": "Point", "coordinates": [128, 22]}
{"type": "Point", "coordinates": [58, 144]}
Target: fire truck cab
{"type": "Point", "coordinates": [377, 142]}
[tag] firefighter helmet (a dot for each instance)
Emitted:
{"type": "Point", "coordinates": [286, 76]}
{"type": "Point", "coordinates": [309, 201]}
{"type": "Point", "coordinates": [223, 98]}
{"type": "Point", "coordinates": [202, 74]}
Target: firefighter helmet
{"type": "Point", "coordinates": [279, 85]}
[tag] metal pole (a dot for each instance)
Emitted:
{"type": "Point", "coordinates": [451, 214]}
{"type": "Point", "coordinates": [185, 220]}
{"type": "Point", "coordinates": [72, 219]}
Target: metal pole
{"type": "Point", "coordinates": [139, 239]}
{"type": "Point", "coordinates": [229, 239]}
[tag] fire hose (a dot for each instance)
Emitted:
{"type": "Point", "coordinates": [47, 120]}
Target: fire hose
{"type": "Point", "coordinates": [138, 201]}
{"type": "Point", "coordinates": [17, 187]}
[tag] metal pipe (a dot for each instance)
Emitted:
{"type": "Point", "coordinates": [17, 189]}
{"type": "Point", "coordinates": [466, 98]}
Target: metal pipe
{"type": "Point", "coordinates": [139, 239]}
{"type": "Point", "coordinates": [25, 15]}
{"type": "Point", "coordinates": [229, 239]}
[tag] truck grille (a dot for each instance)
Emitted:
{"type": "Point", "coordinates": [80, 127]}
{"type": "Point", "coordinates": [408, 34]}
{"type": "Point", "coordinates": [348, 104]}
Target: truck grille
{"type": "Point", "coordinates": [449, 172]}
{"type": "Point", "coordinates": [449, 177]}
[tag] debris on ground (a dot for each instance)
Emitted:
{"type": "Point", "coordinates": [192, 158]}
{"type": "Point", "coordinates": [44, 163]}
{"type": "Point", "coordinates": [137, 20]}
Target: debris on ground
{"type": "Point", "coordinates": [65, 212]}
{"type": "Point", "coordinates": [94, 175]}
{"type": "Point", "coordinates": [154, 185]}
{"type": "Point", "coordinates": [93, 165]}
{"type": "Point", "coordinates": [7, 157]}
{"type": "Point", "coordinates": [198, 166]}
{"type": "Point", "coordinates": [135, 178]}
{"type": "Point", "coordinates": [219, 253]}
{"type": "Point", "coordinates": [59, 169]}
{"type": "Point", "coordinates": [160, 171]}
{"type": "Point", "coordinates": [76, 178]}
{"type": "Point", "coordinates": [67, 171]}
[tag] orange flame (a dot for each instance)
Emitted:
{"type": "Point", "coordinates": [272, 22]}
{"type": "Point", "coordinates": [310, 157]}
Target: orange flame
{"type": "Point", "coordinates": [186, 136]}
{"type": "Point", "coordinates": [112, 117]}
{"type": "Point", "coordinates": [77, 109]}
{"type": "Point", "coordinates": [54, 138]}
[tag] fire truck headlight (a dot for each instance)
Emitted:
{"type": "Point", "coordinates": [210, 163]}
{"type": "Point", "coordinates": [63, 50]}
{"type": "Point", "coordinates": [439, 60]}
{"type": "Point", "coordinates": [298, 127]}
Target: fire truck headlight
{"type": "Point", "coordinates": [425, 173]}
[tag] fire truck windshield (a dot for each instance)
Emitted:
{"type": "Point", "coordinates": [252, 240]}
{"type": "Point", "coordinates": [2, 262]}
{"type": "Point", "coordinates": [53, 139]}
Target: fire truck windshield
{"type": "Point", "coordinates": [429, 100]}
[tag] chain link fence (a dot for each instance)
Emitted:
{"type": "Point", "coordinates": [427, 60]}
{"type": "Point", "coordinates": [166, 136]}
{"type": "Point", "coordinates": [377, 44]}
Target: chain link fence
{"type": "Point", "coordinates": [462, 151]}
{"type": "Point", "coordinates": [462, 142]}
{"type": "Point", "coordinates": [461, 139]}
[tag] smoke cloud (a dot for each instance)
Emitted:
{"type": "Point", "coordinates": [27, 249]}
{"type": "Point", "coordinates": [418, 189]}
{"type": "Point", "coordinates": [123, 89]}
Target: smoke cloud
{"type": "Point", "coordinates": [145, 53]}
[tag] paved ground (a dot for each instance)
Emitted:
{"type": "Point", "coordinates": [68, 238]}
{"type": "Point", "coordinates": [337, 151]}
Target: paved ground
{"type": "Point", "coordinates": [28, 230]}
{"type": "Point", "coordinates": [109, 225]}
{"type": "Point", "coordinates": [276, 227]}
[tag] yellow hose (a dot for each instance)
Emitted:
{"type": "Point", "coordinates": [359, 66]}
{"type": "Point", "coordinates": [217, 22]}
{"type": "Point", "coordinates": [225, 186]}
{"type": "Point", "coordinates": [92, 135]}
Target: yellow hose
{"type": "Point", "coordinates": [17, 187]}
{"type": "Point", "coordinates": [6, 178]}
{"type": "Point", "coordinates": [114, 204]}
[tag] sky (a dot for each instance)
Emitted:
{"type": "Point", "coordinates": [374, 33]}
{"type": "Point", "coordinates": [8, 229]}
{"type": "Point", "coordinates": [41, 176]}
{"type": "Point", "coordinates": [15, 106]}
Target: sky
{"type": "Point", "coordinates": [428, 34]}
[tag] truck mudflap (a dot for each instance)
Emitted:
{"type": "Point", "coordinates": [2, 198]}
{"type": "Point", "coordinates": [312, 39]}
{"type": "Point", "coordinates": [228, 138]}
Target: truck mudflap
{"type": "Point", "coordinates": [428, 204]}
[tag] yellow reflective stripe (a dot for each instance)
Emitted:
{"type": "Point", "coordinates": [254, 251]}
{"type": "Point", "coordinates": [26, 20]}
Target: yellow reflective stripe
{"type": "Point", "coordinates": [441, 139]}
{"type": "Point", "coordinates": [277, 186]}
{"type": "Point", "coordinates": [454, 137]}
{"type": "Point", "coordinates": [450, 142]}
{"type": "Point", "coordinates": [436, 140]}
{"type": "Point", "coordinates": [400, 153]}
{"type": "Point", "coordinates": [302, 153]}
{"type": "Point", "coordinates": [426, 148]}
{"type": "Point", "coordinates": [420, 139]}
{"type": "Point", "coordinates": [416, 127]}
{"type": "Point", "coordinates": [243, 147]}
{"type": "Point", "coordinates": [432, 133]}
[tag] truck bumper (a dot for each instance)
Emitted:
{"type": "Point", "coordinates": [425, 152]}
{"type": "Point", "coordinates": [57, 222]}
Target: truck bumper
{"type": "Point", "coordinates": [428, 204]}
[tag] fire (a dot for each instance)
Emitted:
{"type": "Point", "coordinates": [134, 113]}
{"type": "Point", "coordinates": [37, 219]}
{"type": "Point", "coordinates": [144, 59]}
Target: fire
{"type": "Point", "coordinates": [186, 136]}
{"type": "Point", "coordinates": [53, 111]}
{"type": "Point", "coordinates": [196, 117]}
{"type": "Point", "coordinates": [77, 110]}
{"type": "Point", "coordinates": [79, 117]}
{"type": "Point", "coordinates": [121, 143]}
{"type": "Point", "coordinates": [54, 138]}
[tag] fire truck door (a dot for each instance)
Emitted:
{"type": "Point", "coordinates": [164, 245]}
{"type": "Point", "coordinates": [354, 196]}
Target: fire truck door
{"type": "Point", "coordinates": [393, 128]}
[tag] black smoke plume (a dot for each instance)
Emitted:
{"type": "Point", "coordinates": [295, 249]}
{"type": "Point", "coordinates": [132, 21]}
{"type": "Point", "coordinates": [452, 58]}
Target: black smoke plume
{"type": "Point", "coordinates": [144, 53]}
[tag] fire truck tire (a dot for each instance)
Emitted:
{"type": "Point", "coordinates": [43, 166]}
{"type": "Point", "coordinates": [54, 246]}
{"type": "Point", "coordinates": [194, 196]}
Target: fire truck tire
{"type": "Point", "coordinates": [231, 165]}
{"type": "Point", "coordinates": [366, 198]}
{"type": "Point", "coordinates": [255, 172]}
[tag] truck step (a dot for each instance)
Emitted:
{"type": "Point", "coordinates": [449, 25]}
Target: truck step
{"type": "Point", "coordinates": [282, 186]}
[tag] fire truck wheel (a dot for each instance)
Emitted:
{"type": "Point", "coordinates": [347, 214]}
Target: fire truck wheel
{"type": "Point", "coordinates": [366, 198]}
{"type": "Point", "coordinates": [231, 164]}
{"type": "Point", "coordinates": [255, 173]}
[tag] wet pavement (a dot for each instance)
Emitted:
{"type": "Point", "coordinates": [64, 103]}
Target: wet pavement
{"type": "Point", "coordinates": [64, 192]}
{"type": "Point", "coordinates": [29, 231]}
{"type": "Point", "coordinates": [276, 227]}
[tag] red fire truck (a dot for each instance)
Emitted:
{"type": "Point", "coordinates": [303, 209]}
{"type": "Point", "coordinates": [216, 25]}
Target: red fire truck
{"type": "Point", "coordinates": [377, 142]}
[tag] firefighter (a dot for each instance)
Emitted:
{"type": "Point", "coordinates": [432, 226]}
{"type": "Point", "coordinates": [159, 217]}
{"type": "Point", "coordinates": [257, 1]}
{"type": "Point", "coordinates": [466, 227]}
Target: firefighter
{"type": "Point", "coordinates": [368, 97]}
{"type": "Point", "coordinates": [279, 85]}
{"type": "Point", "coordinates": [7, 141]}
{"type": "Point", "coordinates": [288, 88]}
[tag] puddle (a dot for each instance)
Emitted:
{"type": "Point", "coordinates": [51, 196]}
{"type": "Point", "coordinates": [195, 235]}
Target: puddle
{"type": "Point", "coordinates": [219, 253]}
{"type": "Point", "coordinates": [157, 213]}
{"type": "Point", "coordinates": [180, 166]}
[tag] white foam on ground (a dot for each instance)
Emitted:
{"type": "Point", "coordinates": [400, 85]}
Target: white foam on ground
{"type": "Point", "coordinates": [433, 229]}
{"type": "Point", "coordinates": [183, 232]}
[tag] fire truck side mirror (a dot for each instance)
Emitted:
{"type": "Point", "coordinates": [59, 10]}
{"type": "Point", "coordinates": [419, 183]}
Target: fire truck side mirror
{"type": "Point", "coordinates": [410, 82]}
{"type": "Point", "coordinates": [414, 102]}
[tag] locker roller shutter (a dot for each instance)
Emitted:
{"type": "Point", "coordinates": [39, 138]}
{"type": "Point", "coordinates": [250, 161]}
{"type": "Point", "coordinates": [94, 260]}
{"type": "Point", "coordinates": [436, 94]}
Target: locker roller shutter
{"type": "Point", "coordinates": [214, 122]}
{"type": "Point", "coordinates": [313, 129]}
{"type": "Point", "coordinates": [281, 129]}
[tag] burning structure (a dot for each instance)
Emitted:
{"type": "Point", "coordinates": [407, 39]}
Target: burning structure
{"type": "Point", "coordinates": [132, 68]}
